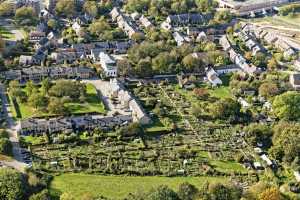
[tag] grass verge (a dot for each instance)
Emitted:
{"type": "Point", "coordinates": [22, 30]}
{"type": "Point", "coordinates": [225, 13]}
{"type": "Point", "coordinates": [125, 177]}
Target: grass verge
{"type": "Point", "coordinates": [118, 187]}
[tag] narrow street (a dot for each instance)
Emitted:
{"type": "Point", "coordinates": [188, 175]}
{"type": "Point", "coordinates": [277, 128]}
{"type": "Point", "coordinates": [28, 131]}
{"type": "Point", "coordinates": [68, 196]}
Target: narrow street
{"type": "Point", "coordinates": [12, 128]}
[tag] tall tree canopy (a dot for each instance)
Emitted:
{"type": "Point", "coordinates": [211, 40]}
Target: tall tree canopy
{"type": "Point", "coordinates": [287, 105]}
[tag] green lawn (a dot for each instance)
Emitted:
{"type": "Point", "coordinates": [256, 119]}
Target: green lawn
{"type": "Point", "coordinates": [93, 104]}
{"type": "Point", "coordinates": [117, 187]}
{"type": "Point", "coordinates": [34, 139]}
{"type": "Point", "coordinates": [219, 92]}
{"type": "Point", "coordinates": [228, 166]}
{"type": "Point", "coordinates": [284, 21]}
{"type": "Point", "coordinates": [5, 34]}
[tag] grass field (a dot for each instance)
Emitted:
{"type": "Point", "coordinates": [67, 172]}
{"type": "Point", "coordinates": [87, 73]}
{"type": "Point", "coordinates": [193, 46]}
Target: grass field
{"type": "Point", "coordinates": [93, 104]}
{"type": "Point", "coordinates": [5, 34]}
{"type": "Point", "coordinates": [117, 187]}
{"type": "Point", "coordinates": [283, 21]}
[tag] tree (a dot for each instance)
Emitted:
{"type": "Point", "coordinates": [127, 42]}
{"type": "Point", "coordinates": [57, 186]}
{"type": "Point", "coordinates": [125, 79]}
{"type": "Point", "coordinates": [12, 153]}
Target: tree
{"type": "Point", "coordinates": [221, 192]}
{"type": "Point", "coordinates": [5, 146]}
{"type": "Point", "coordinates": [66, 8]}
{"type": "Point", "coordinates": [11, 184]}
{"type": "Point", "coordinates": [210, 46]}
{"type": "Point", "coordinates": [270, 194]}
{"type": "Point", "coordinates": [37, 100]}
{"type": "Point", "coordinates": [16, 92]}
{"type": "Point", "coordinates": [258, 133]}
{"type": "Point", "coordinates": [268, 90]}
{"type": "Point", "coordinates": [52, 23]}
{"type": "Point", "coordinates": [201, 93]}
{"type": "Point", "coordinates": [43, 195]}
{"type": "Point", "coordinates": [72, 89]}
{"type": "Point", "coordinates": [67, 196]}
{"type": "Point", "coordinates": [143, 68]}
{"type": "Point", "coordinates": [163, 62]}
{"type": "Point", "coordinates": [26, 15]}
{"type": "Point", "coordinates": [91, 8]}
{"type": "Point", "coordinates": [286, 142]}
{"type": "Point", "coordinates": [187, 191]}
{"type": "Point", "coordinates": [222, 17]}
{"type": "Point", "coordinates": [136, 5]}
{"type": "Point", "coordinates": [138, 37]}
{"type": "Point", "coordinates": [287, 105]}
{"type": "Point", "coordinates": [259, 59]}
{"type": "Point", "coordinates": [272, 64]}
{"type": "Point", "coordinates": [204, 5]}
{"type": "Point", "coordinates": [14, 88]}
{"type": "Point", "coordinates": [191, 63]}
{"type": "Point", "coordinates": [6, 8]}
{"type": "Point", "coordinates": [254, 190]}
{"type": "Point", "coordinates": [133, 129]}
{"type": "Point", "coordinates": [56, 106]}
{"type": "Point", "coordinates": [2, 47]}
{"type": "Point", "coordinates": [162, 192]}
{"type": "Point", "coordinates": [98, 27]}
{"type": "Point", "coordinates": [225, 108]}
{"type": "Point", "coordinates": [124, 67]}
{"type": "Point", "coordinates": [29, 88]}
{"type": "Point", "coordinates": [46, 85]}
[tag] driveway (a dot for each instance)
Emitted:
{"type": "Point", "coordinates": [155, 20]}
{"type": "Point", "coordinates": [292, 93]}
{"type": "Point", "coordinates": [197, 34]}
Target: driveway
{"type": "Point", "coordinates": [103, 88]}
{"type": "Point", "coordinates": [12, 128]}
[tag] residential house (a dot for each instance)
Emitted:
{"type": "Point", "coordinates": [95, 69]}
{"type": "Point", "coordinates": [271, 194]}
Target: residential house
{"type": "Point", "coordinates": [266, 159]}
{"type": "Point", "coordinates": [39, 126]}
{"type": "Point", "coordinates": [270, 38]}
{"type": "Point", "coordinates": [295, 80]}
{"type": "Point", "coordinates": [145, 22]}
{"type": "Point", "coordinates": [76, 27]}
{"type": "Point", "coordinates": [13, 75]}
{"type": "Point", "coordinates": [124, 22]}
{"type": "Point", "coordinates": [108, 64]}
{"type": "Point", "coordinates": [288, 51]}
{"type": "Point", "coordinates": [227, 69]}
{"type": "Point", "coordinates": [117, 90]}
{"type": "Point", "coordinates": [297, 64]}
{"type": "Point", "coordinates": [213, 78]}
{"type": "Point", "coordinates": [185, 19]}
{"type": "Point", "coordinates": [138, 113]}
{"type": "Point", "coordinates": [297, 176]}
{"type": "Point", "coordinates": [39, 73]}
{"type": "Point", "coordinates": [35, 74]}
{"type": "Point", "coordinates": [135, 15]}
{"type": "Point", "coordinates": [179, 38]}
{"type": "Point", "coordinates": [225, 43]}
{"type": "Point", "coordinates": [202, 37]}
{"type": "Point", "coordinates": [26, 60]}
{"type": "Point", "coordinates": [35, 36]}
{"type": "Point", "coordinates": [68, 55]}
{"type": "Point", "coordinates": [115, 12]}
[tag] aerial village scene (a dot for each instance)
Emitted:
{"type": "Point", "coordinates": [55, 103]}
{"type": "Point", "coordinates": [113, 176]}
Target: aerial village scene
{"type": "Point", "coordinates": [149, 100]}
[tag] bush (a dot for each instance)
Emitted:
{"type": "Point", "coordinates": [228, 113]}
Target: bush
{"type": "Point", "coordinates": [5, 146]}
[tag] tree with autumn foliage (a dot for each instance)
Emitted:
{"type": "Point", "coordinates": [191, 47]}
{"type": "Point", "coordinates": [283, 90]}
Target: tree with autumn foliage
{"type": "Point", "coordinates": [272, 193]}
{"type": "Point", "coordinates": [201, 93]}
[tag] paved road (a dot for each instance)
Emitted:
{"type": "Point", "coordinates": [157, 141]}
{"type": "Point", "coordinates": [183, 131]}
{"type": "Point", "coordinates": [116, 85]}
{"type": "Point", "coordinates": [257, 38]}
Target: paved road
{"type": "Point", "coordinates": [12, 128]}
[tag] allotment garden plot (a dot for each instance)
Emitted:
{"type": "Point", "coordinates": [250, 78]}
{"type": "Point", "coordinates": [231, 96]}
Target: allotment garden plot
{"type": "Point", "coordinates": [177, 143]}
